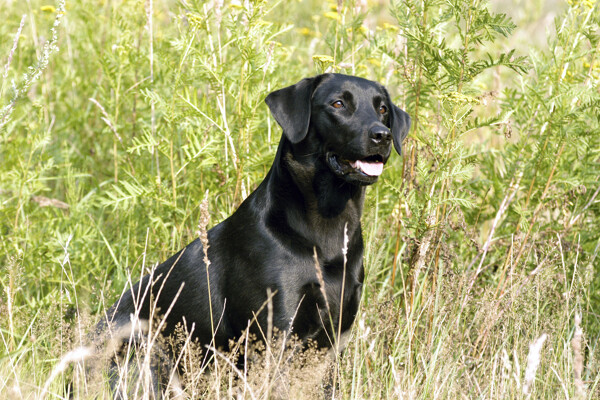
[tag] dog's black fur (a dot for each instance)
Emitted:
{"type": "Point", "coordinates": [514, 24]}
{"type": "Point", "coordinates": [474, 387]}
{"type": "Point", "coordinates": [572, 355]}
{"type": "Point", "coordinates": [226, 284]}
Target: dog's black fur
{"type": "Point", "coordinates": [314, 190]}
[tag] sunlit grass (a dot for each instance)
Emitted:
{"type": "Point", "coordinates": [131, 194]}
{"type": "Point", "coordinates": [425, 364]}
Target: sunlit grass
{"type": "Point", "coordinates": [118, 118]}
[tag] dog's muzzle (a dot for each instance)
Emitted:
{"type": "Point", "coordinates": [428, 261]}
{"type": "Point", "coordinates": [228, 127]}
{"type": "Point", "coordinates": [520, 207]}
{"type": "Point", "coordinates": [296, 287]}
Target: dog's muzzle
{"type": "Point", "coordinates": [365, 170]}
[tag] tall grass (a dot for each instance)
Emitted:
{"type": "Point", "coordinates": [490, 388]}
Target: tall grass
{"type": "Point", "coordinates": [482, 240]}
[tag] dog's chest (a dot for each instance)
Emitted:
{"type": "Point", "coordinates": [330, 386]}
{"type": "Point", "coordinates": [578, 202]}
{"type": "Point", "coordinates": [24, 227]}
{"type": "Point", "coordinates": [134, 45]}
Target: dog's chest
{"type": "Point", "coordinates": [320, 292]}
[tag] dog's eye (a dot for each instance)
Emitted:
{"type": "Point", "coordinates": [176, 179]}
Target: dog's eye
{"type": "Point", "coordinates": [338, 104]}
{"type": "Point", "coordinates": [382, 110]}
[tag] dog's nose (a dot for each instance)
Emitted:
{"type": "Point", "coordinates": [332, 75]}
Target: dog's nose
{"type": "Point", "coordinates": [380, 134]}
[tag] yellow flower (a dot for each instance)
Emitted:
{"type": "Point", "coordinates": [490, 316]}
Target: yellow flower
{"type": "Point", "coordinates": [460, 98]}
{"type": "Point", "coordinates": [195, 20]}
{"type": "Point", "coordinates": [304, 31]}
{"type": "Point", "coordinates": [390, 27]}
{"type": "Point", "coordinates": [323, 58]}
{"type": "Point", "coordinates": [236, 4]}
{"type": "Point", "coordinates": [322, 62]}
{"type": "Point", "coordinates": [361, 29]}
{"type": "Point", "coordinates": [374, 61]}
{"type": "Point", "coordinates": [585, 3]}
{"type": "Point", "coordinates": [48, 9]}
{"type": "Point", "coordinates": [361, 70]}
{"type": "Point", "coordinates": [333, 15]}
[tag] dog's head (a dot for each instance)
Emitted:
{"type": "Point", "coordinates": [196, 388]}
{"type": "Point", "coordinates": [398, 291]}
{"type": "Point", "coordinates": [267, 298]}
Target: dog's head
{"type": "Point", "coordinates": [353, 120]}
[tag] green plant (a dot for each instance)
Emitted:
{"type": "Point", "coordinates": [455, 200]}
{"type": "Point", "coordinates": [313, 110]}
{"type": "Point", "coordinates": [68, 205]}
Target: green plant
{"type": "Point", "coordinates": [481, 239]}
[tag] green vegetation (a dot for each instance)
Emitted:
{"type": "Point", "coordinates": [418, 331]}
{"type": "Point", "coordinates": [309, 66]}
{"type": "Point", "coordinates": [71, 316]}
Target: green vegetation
{"type": "Point", "coordinates": [117, 118]}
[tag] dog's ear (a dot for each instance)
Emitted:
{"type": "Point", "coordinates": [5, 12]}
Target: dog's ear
{"type": "Point", "coordinates": [399, 125]}
{"type": "Point", "coordinates": [291, 108]}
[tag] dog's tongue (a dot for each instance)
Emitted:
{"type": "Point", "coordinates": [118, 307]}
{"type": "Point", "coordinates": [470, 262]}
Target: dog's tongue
{"type": "Point", "coordinates": [369, 168]}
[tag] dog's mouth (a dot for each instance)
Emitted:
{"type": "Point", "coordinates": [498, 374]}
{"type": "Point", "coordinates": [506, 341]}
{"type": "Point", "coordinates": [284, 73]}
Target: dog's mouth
{"type": "Point", "coordinates": [371, 166]}
{"type": "Point", "coordinates": [367, 169]}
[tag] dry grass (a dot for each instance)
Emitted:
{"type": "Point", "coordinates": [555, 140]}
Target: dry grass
{"type": "Point", "coordinates": [452, 343]}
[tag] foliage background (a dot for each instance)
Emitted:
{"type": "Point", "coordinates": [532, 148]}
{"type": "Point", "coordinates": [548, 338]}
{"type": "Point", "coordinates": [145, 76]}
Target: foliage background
{"type": "Point", "coordinates": [118, 117]}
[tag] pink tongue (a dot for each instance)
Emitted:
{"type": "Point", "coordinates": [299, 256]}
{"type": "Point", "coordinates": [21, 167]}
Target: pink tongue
{"type": "Point", "coordinates": [369, 168]}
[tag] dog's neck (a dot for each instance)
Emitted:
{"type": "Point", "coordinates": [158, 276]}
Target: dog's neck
{"type": "Point", "coordinates": [311, 203]}
{"type": "Point", "coordinates": [312, 198]}
{"type": "Point", "coordinates": [321, 190]}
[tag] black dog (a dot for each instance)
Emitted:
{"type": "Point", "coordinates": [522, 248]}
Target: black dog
{"type": "Point", "coordinates": [337, 135]}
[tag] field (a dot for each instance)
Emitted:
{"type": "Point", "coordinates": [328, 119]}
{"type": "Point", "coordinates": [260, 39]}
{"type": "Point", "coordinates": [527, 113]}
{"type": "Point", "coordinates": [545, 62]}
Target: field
{"type": "Point", "coordinates": [119, 118]}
